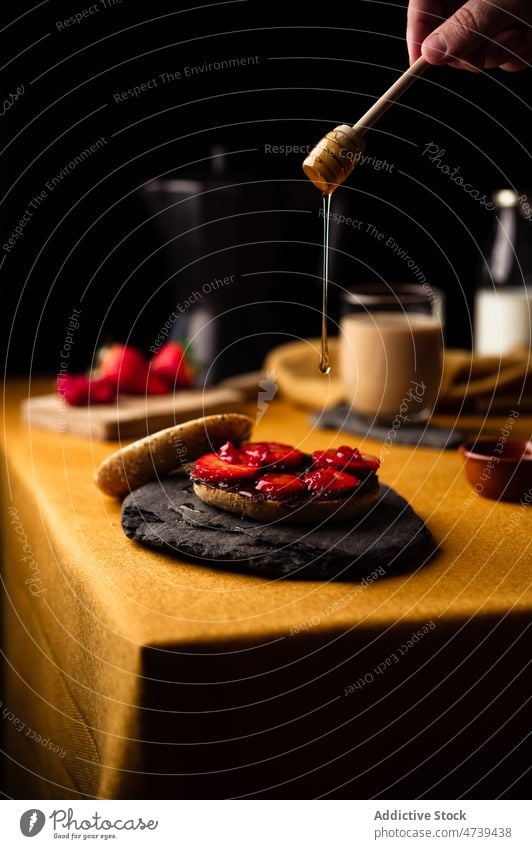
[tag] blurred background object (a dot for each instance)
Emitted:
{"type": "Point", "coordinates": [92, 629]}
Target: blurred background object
{"type": "Point", "coordinates": [391, 351]}
{"type": "Point", "coordinates": [237, 260]}
{"type": "Point", "coordinates": [503, 303]}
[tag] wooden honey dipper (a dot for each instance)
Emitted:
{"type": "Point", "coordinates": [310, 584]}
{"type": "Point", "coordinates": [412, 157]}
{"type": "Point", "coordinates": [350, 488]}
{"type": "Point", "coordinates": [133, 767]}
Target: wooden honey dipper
{"type": "Point", "coordinates": [334, 157]}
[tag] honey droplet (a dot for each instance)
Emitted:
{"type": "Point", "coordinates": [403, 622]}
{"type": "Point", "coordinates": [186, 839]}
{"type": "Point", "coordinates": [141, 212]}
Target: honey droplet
{"type": "Point", "coordinates": [325, 364]}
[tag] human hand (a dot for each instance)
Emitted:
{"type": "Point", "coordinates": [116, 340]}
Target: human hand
{"type": "Point", "coordinates": [473, 35]}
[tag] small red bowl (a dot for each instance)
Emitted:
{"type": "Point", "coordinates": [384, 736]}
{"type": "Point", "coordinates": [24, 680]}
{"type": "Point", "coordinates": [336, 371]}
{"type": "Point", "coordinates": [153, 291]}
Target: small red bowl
{"type": "Point", "coordinates": [499, 469]}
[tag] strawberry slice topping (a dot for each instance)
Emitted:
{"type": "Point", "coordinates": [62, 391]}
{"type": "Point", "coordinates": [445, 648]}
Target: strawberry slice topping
{"type": "Point", "coordinates": [275, 455]}
{"type": "Point", "coordinates": [278, 471]}
{"type": "Point", "coordinates": [345, 458]}
{"type": "Point", "coordinates": [212, 469]}
{"type": "Point", "coordinates": [278, 487]}
{"type": "Point", "coordinates": [231, 454]}
{"type": "Point", "coordinates": [329, 482]}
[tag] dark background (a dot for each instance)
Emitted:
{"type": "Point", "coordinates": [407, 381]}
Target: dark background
{"type": "Point", "coordinates": [90, 244]}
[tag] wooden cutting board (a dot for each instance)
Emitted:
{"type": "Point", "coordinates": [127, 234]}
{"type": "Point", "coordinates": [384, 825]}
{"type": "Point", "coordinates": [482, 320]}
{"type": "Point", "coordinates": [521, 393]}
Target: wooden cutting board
{"type": "Point", "coordinates": [129, 417]}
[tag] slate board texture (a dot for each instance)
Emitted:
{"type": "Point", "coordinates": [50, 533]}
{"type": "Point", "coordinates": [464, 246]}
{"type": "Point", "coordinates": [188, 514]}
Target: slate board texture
{"type": "Point", "coordinates": [343, 418]}
{"type": "Point", "coordinates": [167, 515]}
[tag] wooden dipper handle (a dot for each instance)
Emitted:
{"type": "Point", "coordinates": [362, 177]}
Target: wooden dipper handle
{"type": "Point", "coordinates": [334, 157]}
{"type": "Point", "coordinates": [391, 95]}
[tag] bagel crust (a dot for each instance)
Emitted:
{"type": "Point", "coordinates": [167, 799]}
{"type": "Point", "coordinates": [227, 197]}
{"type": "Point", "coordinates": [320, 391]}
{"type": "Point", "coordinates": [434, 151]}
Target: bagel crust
{"type": "Point", "coordinates": [168, 450]}
{"type": "Point", "coordinates": [307, 512]}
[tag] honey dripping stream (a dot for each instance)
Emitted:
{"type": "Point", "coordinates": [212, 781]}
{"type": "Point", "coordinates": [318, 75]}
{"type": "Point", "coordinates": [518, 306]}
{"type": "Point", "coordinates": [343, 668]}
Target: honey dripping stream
{"type": "Point", "coordinates": [325, 363]}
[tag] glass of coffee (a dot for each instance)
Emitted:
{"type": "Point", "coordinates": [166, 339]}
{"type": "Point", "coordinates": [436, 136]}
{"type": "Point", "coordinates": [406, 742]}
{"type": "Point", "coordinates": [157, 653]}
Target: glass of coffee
{"type": "Point", "coordinates": [391, 341]}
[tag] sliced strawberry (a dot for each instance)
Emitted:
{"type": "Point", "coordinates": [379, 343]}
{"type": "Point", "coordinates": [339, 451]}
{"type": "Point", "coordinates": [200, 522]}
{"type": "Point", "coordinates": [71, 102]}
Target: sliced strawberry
{"type": "Point", "coordinates": [77, 390]}
{"type": "Point", "coordinates": [170, 363]}
{"type": "Point", "coordinates": [329, 482]}
{"type": "Point", "coordinates": [73, 388]}
{"type": "Point", "coordinates": [280, 486]}
{"type": "Point", "coordinates": [125, 365]}
{"type": "Point", "coordinates": [345, 458]}
{"type": "Point", "coordinates": [144, 383]}
{"type": "Point", "coordinates": [275, 455]}
{"type": "Point", "coordinates": [211, 469]}
{"type": "Point", "coordinates": [231, 454]}
{"type": "Point", "coordinates": [102, 390]}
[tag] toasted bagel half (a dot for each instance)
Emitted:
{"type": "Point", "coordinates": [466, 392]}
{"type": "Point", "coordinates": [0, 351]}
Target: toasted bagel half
{"type": "Point", "coordinates": [168, 450]}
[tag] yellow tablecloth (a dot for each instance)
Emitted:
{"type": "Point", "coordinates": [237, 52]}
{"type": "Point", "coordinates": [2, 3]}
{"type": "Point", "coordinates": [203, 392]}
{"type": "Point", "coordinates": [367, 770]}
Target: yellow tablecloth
{"type": "Point", "coordinates": [131, 674]}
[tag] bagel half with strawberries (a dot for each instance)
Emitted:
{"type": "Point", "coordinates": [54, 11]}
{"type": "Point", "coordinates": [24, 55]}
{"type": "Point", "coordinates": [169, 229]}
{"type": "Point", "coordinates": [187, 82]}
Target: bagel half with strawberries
{"type": "Point", "coordinates": [271, 481]}
{"type": "Point", "coordinates": [266, 481]}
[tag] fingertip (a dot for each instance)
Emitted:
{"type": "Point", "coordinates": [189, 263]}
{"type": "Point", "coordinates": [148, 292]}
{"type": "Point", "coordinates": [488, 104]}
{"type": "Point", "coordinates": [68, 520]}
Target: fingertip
{"type": "Point", "coordinates": [434, 49]}
{"type": "Point", "coordinates": [514, 66]}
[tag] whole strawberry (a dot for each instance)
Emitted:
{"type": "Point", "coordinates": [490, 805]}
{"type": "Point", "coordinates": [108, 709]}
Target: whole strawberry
{"type": "Point", "coordinates": [170, 364]}
{"type": "Point", "coordinates": [155, 385]}
{"type": "Point", "coordinates": [126, 366]}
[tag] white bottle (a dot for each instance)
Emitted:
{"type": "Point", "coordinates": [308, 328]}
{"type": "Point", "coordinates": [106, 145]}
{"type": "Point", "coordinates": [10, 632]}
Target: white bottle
{"type": "Point", "coordinates": [503, 303]}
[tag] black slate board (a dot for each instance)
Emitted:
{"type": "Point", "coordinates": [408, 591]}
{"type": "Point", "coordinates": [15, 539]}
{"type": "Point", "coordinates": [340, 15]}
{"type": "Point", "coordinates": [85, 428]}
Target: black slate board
{"type": "Point", "coordinates": [429, 436]}
{"type": "Point", "coordinates": [168, 516]}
